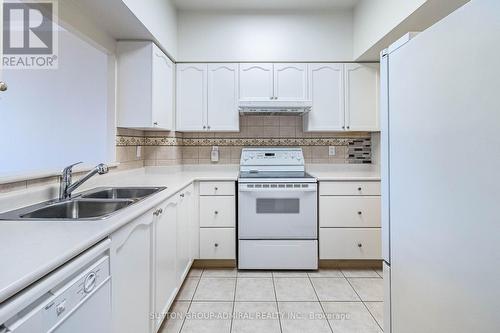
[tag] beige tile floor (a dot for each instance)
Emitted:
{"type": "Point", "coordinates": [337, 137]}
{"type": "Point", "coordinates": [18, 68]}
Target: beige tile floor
{"type": "Point", "coordinates": [228, 301]}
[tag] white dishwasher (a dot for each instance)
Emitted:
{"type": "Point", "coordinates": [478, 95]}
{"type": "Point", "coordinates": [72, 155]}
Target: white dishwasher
{"type": "Point", "coordinates": [75, 298]}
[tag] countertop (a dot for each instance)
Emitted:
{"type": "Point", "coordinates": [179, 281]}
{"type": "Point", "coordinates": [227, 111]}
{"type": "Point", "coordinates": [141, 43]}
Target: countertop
{"type": "Point", "coordinates": [30, 250]}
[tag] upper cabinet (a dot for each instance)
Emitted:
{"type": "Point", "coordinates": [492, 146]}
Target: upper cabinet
{"type": "Point", "coordinates": [326, 90]}
{"type": "Point", "coordinates": [192, 104]}
{"type": "Point", "coordinates": [265, 81]}
{"type": "Point", "coordinates": [256, 82]}
{"type": "Point", "coordinates": [361, 97]}
{"type": "Point", "coordinates": [344, 97]}
{"type": "Point", "coordinates": [145, 87]}
{"type": "Point", "coordinates": [207, 97]}
{"type": "Point", "coordinates": [290, 82]}
{"type": "Point", "coordinates": [223, 97]}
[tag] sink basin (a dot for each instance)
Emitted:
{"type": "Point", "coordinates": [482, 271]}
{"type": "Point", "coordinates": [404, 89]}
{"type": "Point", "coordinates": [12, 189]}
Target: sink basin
{"type": "Point", "coordinates": [77, 209]}
{"type": "Point", "coordinates": [133, 193]}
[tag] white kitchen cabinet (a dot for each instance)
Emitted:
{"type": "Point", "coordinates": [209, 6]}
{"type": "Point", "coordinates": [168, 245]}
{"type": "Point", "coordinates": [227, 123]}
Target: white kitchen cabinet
{"type": "Point", "coordinates": [349, 211]}
{"type": "Point", "coordinates": [361, 97]}
{"type": "Point", "coordinates": [290, 81]}
{"type": "Point", "coordinates": [166, 283]}
{"type": "Point", "coordinates": [217, 243]}
{"type": "Point", "coordinates": [350, 243]}
{"type": "Point", "coordinates": [184, 222]}
{"type": "Point", "coordinates": [217, 211]}
{"type": "Point", "coordinates": [207, 97]}
{"type": "Point", "coordinates": [326, 90]}
{"type": "Point", "coordinates": [145, 87]}
{"type": "Point", "coordinates": [256, 82]}
{"type": "Point", "coordinates": [191, 97]}
{"type": "Point", "coordinates": [131, 270]}
{"type": "Point", "coordinates": [222, 108]}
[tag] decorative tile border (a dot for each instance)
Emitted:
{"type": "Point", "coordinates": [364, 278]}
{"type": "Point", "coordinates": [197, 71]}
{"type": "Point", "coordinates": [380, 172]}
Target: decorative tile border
{"type": "Point", "coordinates": [172, 141]}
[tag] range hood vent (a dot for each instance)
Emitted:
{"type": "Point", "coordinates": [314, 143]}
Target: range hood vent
{"type": "Point", "coordinates": [275, 108]}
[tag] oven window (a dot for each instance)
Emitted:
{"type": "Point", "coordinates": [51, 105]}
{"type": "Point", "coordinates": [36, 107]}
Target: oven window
{"type": "Point", "coordinates": [278, 206]}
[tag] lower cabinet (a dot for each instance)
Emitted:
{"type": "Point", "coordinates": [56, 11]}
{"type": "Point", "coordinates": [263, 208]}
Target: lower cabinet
{"type": "Point", "coordinates": [131, 270]}
{"type": "Point", "coordinates": [349, 220]}
{"type": "Point", "coordinates": [166, 282]}
{"type": "Point", "coordinates": [150, 258]}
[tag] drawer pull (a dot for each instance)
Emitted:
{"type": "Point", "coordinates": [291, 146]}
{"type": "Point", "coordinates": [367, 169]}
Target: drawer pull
{"type": "Point", "coordinates": [216, 212]}
{"type": "Point", "coordinates": [359, 189]}
{"type": "Point", "coordinates": [360, 245]}
{"type": "Point", "coordinates": [360, 213]}
{"type": "Point", "coordinates": [216, 244]}
{"type": "Point", "coordinates": [216, 188]}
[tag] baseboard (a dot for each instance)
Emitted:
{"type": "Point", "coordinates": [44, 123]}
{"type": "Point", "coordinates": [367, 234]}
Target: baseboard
{"type": "Point", "coordinates": [375, 264]}
{"type": "Point", "coordinates": [214, 263]}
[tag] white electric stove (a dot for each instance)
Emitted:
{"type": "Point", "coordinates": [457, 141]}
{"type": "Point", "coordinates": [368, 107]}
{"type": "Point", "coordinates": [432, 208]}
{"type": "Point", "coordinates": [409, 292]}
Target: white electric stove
{"type": "Point", "coordinates": [277, 210]}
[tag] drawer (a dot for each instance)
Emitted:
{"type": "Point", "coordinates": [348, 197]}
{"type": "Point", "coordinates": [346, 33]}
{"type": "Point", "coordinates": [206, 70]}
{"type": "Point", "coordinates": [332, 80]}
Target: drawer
{"type": "Point", "coordinates": [350, 243]}
{"type": "Point", "coordinates": [349, 188]}
{"type": "Point", "coordinates": [217, 243]}
{"type": "Point", "coordinates": [217, 188]}
{"type": "Point", "coordinates": [278, 254]}
{"type": "Point", "coordinates": [217, 211]}
{"type": "Point", "coordinates": [354, 212]}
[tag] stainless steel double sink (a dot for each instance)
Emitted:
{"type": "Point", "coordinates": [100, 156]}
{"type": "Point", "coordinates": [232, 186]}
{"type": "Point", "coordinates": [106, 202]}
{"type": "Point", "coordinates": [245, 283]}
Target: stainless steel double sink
{"type": "Point", "coordinates": [95, 204]}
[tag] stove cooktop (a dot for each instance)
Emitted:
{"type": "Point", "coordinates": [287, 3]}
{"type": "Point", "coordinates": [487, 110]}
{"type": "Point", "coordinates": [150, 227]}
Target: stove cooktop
{"type": "Point", "coordinates": [274, 174]}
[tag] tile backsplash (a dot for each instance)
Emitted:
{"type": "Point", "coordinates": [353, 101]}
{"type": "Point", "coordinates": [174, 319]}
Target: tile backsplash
{"type": "Point", "coordinates": [171, 148]}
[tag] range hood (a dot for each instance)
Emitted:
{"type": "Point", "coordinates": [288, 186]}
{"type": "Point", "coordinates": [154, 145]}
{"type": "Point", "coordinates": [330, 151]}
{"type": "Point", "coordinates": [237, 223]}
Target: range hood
{"type": "Point", "coordinates": [275, 108]}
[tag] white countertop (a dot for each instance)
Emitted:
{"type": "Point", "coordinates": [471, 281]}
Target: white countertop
{"type": "Point", "coordinates": [30, 250]}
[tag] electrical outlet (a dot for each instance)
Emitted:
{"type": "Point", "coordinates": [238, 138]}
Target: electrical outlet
{"type": "Point", "coordinates": [332, 151]}
{"type": "Point", "coordinates": [138, 151]}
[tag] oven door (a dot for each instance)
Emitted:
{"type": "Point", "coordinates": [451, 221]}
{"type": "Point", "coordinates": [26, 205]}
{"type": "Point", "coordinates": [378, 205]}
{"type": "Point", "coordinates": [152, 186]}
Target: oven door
{"type": "Point", "coordinates": [277, 211]}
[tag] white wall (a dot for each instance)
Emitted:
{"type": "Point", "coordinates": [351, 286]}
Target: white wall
{"type": "Point", "coordinates": [160, 18]}
{"type": "Point", "coordinates": [265, 36]}
{"type": "Point", "coordinates": [374, 19]}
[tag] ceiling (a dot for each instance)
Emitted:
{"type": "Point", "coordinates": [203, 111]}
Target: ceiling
{"type": "Point", "coordinates": [263, 4]}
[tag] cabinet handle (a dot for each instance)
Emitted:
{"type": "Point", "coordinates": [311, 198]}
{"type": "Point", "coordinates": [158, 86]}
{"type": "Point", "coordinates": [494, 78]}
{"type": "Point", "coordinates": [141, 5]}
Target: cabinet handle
{"type": "Point", "coordinates": [155, 123]}
{"type": "Point", "coordinates": [359, 189]}
{"type": "Point", "coordinates": [155, 213]}
{"type": "Point", "coordinates": [271, 97]}
{"type": "Point", "coordinates": [208, 127]}
{"type": "Point", "coordinates": [204, 127]}
{"type": "Point", "coordinates": [216, 212]}
{"type": "Point", "coordinates": [161, 211]}
{"type": "Point", "coordinates": [360, 213]}
{"type": "Point", "coordinates": [343, 127]}
{"type": "Point", "coordinates": [3, 86]}
{"type": "Point", "coordinates": [216, 244]}
{"type": "Point", "coordinates": [216, 188]}
{"type": "Point", "coordinates": [182, 195]}
{"type": "Point", "coordinates": [360, 245]}
{"type": "Point", "coordinates": [348, 127]}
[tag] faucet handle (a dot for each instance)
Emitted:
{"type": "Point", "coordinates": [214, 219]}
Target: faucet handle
{"type": "Point", "coordinates": [70, 167]}
{"type": "Point", "coordinates": [102, 168]}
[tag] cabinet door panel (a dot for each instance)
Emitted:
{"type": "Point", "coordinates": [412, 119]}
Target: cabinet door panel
{"type": "Point", "coordinates": [256, 82]}
{"type": "Point", "coordinates": [163, 99]}
{"type": "Point", "coordinates": [184, 216]}
{"type": "Point", "coordinates": [223, 112]}
{"type": "Point", "coordinates": [290, 81]}
{"type": "Point", "coordinates": [361, 97]}
{"type": "Point", "coordinates": [326, 90]}
{"type": "Point", "coordinates": [165, 258]}
{"type": "Point", "coordinates": [191, 97]}
{"type": "Point", "coordinates": [131, 264]}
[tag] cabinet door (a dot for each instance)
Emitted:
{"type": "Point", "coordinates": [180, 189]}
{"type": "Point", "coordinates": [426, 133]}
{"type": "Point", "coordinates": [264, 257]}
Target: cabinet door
{"type": "Point", "coordinates": [256, 82]}
{"type": "Point", "coordinates": [290, 82]}
{"type": "Point", "coordinates": [223, 112]}
{"type": "Point", "coordinates": [163, 90]}
{"type": "Point", "coordinates": [131, 265]}
{"type": "Point", "coordinates": [184, 215]}
{"type": "Point", "coordinates": [361, 97]}
{"type": "Point", "coordinates": [166, 283]}
{"type": "Point", "coordinates": [326, 90]}
{"type": "Point", "coordinates": [191, 97]}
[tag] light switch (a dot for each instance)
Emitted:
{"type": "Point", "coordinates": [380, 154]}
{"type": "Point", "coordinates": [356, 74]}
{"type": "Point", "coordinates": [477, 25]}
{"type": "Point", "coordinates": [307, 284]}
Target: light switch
{"type": "Point", "coordinates": [332, 151]}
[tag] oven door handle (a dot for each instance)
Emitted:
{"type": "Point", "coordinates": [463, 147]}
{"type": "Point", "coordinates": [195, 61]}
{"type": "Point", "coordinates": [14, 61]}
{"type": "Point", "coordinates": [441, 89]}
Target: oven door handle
{"type": "Point", "coordinates": [274, 189]}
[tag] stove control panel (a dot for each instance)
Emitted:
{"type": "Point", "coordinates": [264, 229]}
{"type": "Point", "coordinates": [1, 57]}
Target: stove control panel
{"type": "Point", "coordinates": [272, 157]}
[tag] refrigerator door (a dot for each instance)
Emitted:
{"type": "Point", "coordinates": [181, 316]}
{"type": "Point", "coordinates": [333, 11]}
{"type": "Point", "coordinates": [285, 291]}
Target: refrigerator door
{"type": "Point", "coordinates": [384, 143]}
{"type": "Point", "coordinates": [444, 100]}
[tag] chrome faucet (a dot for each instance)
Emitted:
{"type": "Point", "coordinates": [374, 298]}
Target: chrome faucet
{"type": "Point", "coordinates": [67, 187]}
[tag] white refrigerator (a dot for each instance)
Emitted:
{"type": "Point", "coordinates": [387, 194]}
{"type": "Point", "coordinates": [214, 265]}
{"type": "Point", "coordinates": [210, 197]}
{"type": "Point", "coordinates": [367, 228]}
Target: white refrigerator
{"type": "Point", "coordinates": [441, 175]}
